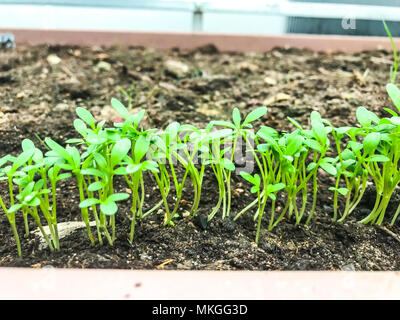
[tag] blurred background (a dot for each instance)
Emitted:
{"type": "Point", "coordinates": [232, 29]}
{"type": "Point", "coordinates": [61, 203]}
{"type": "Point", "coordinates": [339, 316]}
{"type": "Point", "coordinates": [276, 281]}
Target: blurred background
{"type": "Point", "coordinates": [362, 17]}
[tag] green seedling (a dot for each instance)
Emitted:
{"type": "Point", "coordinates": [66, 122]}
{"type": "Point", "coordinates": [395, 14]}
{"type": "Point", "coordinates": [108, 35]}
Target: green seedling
{"type": "Point", "coordinates": [286, 164]}
{"type": "Point", "coordinates": [168, 145]}
{"type": "Point", "coordinates": [69, 159]}
{"type": "Point", "coordinates": [131, 96]}
{"type": "Point", "coordinates": [396, 56]}
{"type": "Point", "coordinates": [8, 173]}
{"type": "Point", "coordinates": [225, 165]}
{"type": "Point", "coordinates": [382, 146]}
{"type": "Point", "coordinates": [133, 172]}
{"type": "Point", "coordinates": [269, 191]}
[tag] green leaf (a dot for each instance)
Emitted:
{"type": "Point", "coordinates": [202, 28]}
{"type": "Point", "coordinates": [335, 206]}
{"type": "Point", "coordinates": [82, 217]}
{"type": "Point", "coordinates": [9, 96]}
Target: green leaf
{"type": "Point", "coordinates": [38, 185]}
{"type": "Point", "coordinates": [220, 134]}
{"type": "Point", "coordinates": [342, 130]}
{"type": "Point", "coordinates": [263, 147]}
{"type": "Point", "coordinates": [100, 160]}
{"type": "Point", "coordinates": [270, 140]}
{"type": "Point", "coordinates": [394, 114]}
{"type": "Point", "coordinates": [365, 117]}
{"type": "Point", "coordinates": [275, 187]}
{"type": "Point", "coordinates": [31, 200]}
{"type": "Point", "coordinates": [80, 127]}
{"type": "Point", "coordinates": [394, 94]}
{"type": "Point", "coordinates": [73, 141]}
{"type": "Point", "coordinates": [378, 158]}
{"type": "Point", "coordinates": [65, 166]}
{"type": "Point", "coordinates": [319, 132]}
{"type": "Point", "coordinates": [138, 117]}
{"type": "Point", "coordinates": [269, 131]}
{"type": "Point", "coordinates": [59, 150]}
{"type": "Point", "coordinates": [27, 145]}
{"type": "Point", "coordinates": [255, 114]}
{"type": "Point", "coordinates": [272, 196]}
{"type": "Point", "coordinates": [109, 208]}
{"type": "Point", "coordinates": [221, 124]}
{"type": "Point", "coordinates": [94, 138]}
{"type": "Point", "coordinates": [86, 116]}
{"type": "Point", "coordinates": [236, 117]}
{"type": "Point", "coordinates": [92, 172]}
{"type": "Point", "coordinates": [14, 208]}
{"type": "Point", "coordinates": [254, 189]}
{"type": "Point", "coordinates": [37, 156]}
{"type": "Point", "coordinates": [76, 157]}
{"type": "Point", "coordinates": [329, 168]}
{"type": "Point", "coordinates": [248, 177]}
{"type": "Point", "coordinates": [22, 159]}
{"type": "Point", "coordinates": [355, 146]}
{"type": "Point", "coordinates": [293, 144]}
{"type": "Point", "coordinates": [313, 144]}
{"type": "Point", "coordinates": [228, 164]}
{"type": "Point", "coordinates": [121, 171]}
{"type": "Point", "coordinates": [395, 120]}
{"type": "Point", "coordinates": [342, 191]}
{"type": "Point", "coordinates": [295, 123]}
{"type": "Point", "coordinates": [141, 147]}
{"type": "Point", "coordinates": [64, 176]}
{"type": "Point", "coordinates": [119, 151]}
{"type": "Point", "coordinates": [347, 163]}
{"type": "Point", "coordinates": [95, 186]}
{"type": "Point", "coordinates": [311, 166]}
{"type": "Point", "coordinates": [173, 129]}
{"type": "Point", "coordinates": [4, 160]}
{"type": "Point", "coordinates": [117, 197]}
{"type": "Point", "coordinates": [371, 142]}
{"type": "Point", "coordinates": [315, 116]}
{"type": "Point", "coordinates": [88, 202]}
{"type": "Point", "coordinates": [150, 165]}
{"type": "Point", "coordinates": [120, 108]}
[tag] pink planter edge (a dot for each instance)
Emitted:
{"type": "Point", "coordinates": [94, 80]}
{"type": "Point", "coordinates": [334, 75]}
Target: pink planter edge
{"type": "Point", "coordinates": [109, 284]}
{"type": "Point", "coordinates": [82, 284]}
{"type": "Point", "coordinates": [189, 41]}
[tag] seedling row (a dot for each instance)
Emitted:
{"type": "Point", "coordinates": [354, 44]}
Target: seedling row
{"type": "Point", "coordinates": [284, 165]}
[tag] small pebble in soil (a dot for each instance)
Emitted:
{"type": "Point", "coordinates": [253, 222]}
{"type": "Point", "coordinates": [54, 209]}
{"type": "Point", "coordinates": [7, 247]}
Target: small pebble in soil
{"type": "Point", "coordinates": [348, 267]}
{"type": "Point", "coordinates": [201, 221]}
{"type": "Point", "coordinates": [328, 209]}
{"type": "Point", "coordinates": [269, 247]}
{"type": "Point", "coordinates": [229, 225]}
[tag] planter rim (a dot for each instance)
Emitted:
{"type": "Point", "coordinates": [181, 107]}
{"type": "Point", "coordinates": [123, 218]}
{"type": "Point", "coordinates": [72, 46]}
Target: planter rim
{"type": "Point", "coordinates": [52, 283]}
{"type": "Point", "coordinates": [82, 284]}
{"type": "Point", "coordinates": [224, 42]}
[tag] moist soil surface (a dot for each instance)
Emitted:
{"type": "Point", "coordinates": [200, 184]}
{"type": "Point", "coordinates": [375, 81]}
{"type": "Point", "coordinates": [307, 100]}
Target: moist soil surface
{"type": "Point", "coordinates": [38, 97]}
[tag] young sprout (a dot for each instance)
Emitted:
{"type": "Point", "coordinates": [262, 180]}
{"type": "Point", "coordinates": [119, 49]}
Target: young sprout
{"type": "Point", "coordinates": [224, 166]}
{"type": "Point", "coordinates": [8, 173]}
{"type": "Point", "coordinates": [168, 145]}
{"type": "Point", "coordinates": [133, 172]}
{"type": "Point", "coordinates": [396, 56]}
{"type": "Point", "coordinates": [69, 159]}
{"type": "Point", "coordinates": [132, 95]}
{"type": "Point", "coordinates": [381, 144]}
{"type": "Point", "coordinates": [269, 191]}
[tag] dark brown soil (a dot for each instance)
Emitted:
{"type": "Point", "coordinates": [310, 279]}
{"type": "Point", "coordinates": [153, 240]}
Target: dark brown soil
{"type": "Point", "coordinates": [38, 100]}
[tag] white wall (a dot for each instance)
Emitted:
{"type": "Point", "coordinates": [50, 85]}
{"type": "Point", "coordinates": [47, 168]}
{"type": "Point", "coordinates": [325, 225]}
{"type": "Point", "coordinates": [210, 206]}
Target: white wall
{"type": "Point", "coordinates": [58, 17]}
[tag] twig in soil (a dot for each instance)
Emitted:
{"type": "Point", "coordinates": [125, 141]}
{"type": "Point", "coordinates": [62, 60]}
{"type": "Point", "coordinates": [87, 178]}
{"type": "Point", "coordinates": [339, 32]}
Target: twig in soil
{"type": "Point", "coordinates": [391, 233]}
{"type": "Point", "coordinates": [161, 266]}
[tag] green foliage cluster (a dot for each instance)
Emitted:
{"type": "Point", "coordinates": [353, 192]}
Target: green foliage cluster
{"type": "Point", "coordinates": [287, 168]}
